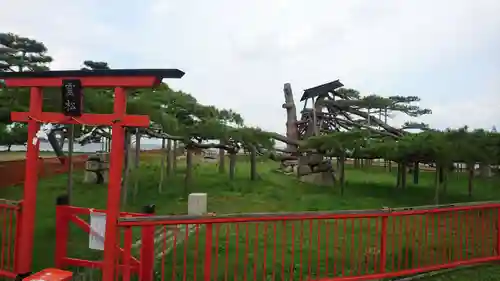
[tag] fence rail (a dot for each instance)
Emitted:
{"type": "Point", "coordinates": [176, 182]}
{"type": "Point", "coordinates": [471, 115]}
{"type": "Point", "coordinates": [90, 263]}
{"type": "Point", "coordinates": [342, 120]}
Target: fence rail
{"type": "Point", "coordinates": [12, 172]}
{"type": "Point", "coordinates": [345, 245]}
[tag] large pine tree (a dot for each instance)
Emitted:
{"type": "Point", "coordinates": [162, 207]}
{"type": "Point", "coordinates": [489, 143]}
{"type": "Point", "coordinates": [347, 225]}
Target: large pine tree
{"type": "Point", "coordinates": [26, 54]}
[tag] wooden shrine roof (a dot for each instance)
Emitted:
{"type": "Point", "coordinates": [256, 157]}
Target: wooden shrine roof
{"type": "Point", "coordinates": [321, 89]}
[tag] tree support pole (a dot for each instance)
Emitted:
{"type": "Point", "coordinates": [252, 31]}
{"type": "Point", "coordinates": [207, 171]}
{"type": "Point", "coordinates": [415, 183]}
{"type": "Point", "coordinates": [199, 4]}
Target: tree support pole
{"type": "Point", "coordinates": [71, 134]}
{"type": "Point", "coordinates": [137, 160]}
{"type": "Point", "coordinates": [164, 154]}
{"type": "Point", "coordinates": [126, 169]}
{"type": "Point", "coordinates": [170, 158]}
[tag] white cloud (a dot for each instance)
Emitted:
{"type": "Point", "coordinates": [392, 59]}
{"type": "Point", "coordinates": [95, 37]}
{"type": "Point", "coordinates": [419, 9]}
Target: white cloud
{"type": "Point", "coordinates": [238, 54]}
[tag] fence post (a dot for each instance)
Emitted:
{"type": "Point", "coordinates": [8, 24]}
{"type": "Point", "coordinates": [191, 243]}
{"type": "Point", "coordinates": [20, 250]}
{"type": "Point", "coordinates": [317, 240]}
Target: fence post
{"type": "Point", "coordinates": [383, 244]}
{"type": "Point", "coordinates": [498, 232]}
{"type": "Point", "coordinates": [208, 252]}
{"type": "Point", "coordinates": [62, 231]}
{"type": "Point", "coordinates": [127, 253]}
{"type": "Point", "coordinates": [147, 248]}
{"type": "Point", "coordinates": [19, 212]}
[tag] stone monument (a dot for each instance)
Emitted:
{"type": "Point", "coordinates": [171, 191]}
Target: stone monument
{"type": "Point", "coordinates": [97, 168]}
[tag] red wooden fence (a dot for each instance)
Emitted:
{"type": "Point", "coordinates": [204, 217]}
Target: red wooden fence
{"type": "Point", "coordinates": [12, 172]}
{"type": "Point", "coordinates": [348, 245]}
{"type": "Point", "coordinates": [9, 213]}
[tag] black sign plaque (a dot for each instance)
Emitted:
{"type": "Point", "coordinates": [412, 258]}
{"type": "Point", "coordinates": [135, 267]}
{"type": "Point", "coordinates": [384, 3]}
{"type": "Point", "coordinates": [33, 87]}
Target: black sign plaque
{"type": "Point", "coordinates": [72, 97]}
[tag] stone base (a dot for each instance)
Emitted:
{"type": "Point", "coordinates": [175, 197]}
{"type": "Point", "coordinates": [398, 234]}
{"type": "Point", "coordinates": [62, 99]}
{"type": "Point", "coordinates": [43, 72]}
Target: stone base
{"type": "Point", "coordinates": [484, 171]}
{"type": "Point", "coordinates": [319, 179]}
{"type": "Point", "coordinates": [93, 178]}
{"type": "Point", "coordinates": [97, 168]}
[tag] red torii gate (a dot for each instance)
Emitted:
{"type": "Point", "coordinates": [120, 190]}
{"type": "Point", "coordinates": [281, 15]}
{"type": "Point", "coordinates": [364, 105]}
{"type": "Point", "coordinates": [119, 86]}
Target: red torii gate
{"type": "Point", "coordinates": [119, 79]}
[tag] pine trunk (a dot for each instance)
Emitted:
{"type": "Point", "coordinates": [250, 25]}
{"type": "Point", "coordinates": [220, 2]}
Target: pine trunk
{"type": "Point", "coordinates": [437, 185]}
{"type": "Point", "coordinates": [416, 172]}
{"type": "Point", "coordinates": [164, 154]}
{"type": "Point", "coordinates": [398, 176]}
{"type": "Point", "coordinates": [222, 160]}
{"type": "Point", "coordinates": [232, 165]}
{"type": "Point", "coordinates": [403, 175]}
{"type": "Point", "coordinates": [342, 173]}
{"type": "Point", "coordinates": [292, 131]}
{"type": "Point", "coordinates": [126, 169]}
{"type": "Point", "coordinates": [170, 158]}
{"type": "Point", "coordinates": [137, 162]}
{"type": "Point", "coordinates": [253, 163]}
{"type": "Point", "coordinates": [189, 171]}
{"type": "Point", "coordinates": [470, 180]}
{"type": "Point", "coordinates": [174, 160]}
{"type": "Point", "coordinates": [441, 174]}
{"type": "Point", "coordinates": [444, 185]}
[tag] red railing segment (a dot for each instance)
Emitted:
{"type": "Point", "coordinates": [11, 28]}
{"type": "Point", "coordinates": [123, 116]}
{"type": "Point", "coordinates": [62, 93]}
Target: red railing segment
{"type": "Point", "coordinates": [348, 245]}
{"type": "Point", "coordinates": [9, 213]}
{"type": "Point", "coordinates": [65, 215]}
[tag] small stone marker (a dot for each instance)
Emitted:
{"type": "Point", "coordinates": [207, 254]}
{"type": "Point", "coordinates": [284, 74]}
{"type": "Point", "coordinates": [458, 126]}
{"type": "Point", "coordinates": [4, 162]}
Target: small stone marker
{"type": "Point", "coordinates": [97, 230]}
{"type": "Point", "coordinates": [197, 204]}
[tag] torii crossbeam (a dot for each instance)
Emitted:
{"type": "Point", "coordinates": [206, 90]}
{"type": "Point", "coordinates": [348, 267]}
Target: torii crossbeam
{"type": "Point", "coordinates": [72, 83]}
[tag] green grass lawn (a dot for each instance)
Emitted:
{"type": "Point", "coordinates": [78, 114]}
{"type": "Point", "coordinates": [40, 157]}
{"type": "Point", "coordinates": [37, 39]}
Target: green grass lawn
{"type": "Point", "coordinates": [274, 192]}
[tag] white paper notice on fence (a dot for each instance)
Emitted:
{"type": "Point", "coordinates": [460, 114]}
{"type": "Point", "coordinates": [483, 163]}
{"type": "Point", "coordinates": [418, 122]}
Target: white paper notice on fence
{"type": "Point", "coordinates": [97, 230]}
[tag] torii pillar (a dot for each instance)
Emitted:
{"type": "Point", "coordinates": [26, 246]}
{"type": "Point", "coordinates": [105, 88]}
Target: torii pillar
{"type": "Point", "coordinates": [119, 79]}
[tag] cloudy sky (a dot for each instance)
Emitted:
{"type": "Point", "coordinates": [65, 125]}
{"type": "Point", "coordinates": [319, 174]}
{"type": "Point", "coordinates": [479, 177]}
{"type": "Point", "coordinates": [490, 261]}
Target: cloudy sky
{"type": "Point", "coordinates": [238, 54]}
